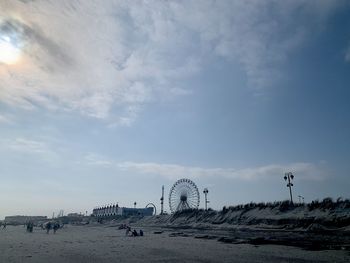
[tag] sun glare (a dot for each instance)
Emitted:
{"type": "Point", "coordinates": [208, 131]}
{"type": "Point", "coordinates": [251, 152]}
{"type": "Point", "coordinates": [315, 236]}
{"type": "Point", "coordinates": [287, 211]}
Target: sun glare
{"type": "Point", "coordinates": [9, 53]}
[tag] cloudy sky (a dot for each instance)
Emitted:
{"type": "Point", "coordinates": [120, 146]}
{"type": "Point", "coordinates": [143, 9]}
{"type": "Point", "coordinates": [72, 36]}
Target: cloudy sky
{"type": "Point", "coordinates": [106, 101]}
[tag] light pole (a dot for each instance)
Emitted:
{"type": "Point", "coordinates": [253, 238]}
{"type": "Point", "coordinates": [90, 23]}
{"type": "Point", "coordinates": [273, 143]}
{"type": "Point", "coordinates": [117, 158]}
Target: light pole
{"type": "Point", "coordinates": [162, 201]}
{"type": "Point", "coordinates": [289, 176]}
{"type": "Point", "coordinates": [205, 194]}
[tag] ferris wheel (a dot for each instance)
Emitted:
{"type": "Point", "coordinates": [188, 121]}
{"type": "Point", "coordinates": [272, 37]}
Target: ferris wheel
{"type": "Point", "coordinates": [183, 195]}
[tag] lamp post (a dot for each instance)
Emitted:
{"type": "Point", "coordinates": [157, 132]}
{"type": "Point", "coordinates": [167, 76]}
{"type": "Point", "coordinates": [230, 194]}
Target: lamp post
{"type": "Point", "coordinates": [162, 202]}
{"type": "Point", "coordinates": [289, 176]}
{"type": "Point", "coordinates": [205, 194]}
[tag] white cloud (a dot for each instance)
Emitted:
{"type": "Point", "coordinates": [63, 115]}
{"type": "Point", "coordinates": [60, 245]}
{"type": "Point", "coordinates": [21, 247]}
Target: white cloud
{"type": "Point", "coordinates": [26, 146]}
{"type": "Point", "coordinates": [102, 64]}
{"type": "Point", "coordinates": [41, 150]}
{"type": "Point", "coordinates": [4, 119]}
{"type": "Point", "coordinates": [307, 171]}
{"type": "Point", "coordinates": [103, 58]}
{"type": "Point", "coordinates": [95, 159]}
{"type": "Point", "coordinates": [303, 170]}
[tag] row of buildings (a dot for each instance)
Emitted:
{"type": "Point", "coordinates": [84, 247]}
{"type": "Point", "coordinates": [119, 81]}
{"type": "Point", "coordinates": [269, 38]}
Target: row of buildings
{"type": "Point", "coordinates": [20, 220]}
{"type": "Point", "coordinates": [115, 210]}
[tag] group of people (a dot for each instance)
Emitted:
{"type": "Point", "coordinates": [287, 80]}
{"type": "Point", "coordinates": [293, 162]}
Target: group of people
{"type": "Point", "coordinates": [51, 225]}
{"type": "Point", "coordinates": [46, 226]}
{"type": "Point", "coordinates": [133, 233]}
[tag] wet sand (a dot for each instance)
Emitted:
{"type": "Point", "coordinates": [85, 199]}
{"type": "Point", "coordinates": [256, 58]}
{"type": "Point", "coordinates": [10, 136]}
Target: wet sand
{"type": "Point", "coordinates": [108, 244]}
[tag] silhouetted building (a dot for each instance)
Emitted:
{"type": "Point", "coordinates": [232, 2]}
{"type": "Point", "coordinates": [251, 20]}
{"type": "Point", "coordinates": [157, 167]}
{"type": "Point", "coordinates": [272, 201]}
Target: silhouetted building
{"type": "Point", "coordinates": [115, 210]}
{"type": "Point", "coordinates": [74, 215]}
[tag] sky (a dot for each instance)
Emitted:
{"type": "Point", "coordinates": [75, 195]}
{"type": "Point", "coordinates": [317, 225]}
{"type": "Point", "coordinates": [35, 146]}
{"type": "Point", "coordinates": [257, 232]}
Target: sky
{"type": "Point", "coordinates": [106, 101]}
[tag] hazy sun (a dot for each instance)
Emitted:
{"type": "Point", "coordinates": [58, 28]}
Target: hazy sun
{"type": "Point", "coordinates": [9, 53]}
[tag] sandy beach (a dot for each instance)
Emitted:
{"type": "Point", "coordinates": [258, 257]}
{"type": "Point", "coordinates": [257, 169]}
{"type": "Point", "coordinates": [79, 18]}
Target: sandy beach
{"type": "Point", "coordinates": [109, 244]}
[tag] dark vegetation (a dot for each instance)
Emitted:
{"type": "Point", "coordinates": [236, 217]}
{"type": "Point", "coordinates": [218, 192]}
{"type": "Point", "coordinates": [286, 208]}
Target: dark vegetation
{"type": "Point", "coordinates": [314, 216]}
{"type": "Point", "coordinates": [325, 204]}
{"type": "Point", "coordinates": [318, 225]}
{"type": "Point", "coordinates": [282, 206]}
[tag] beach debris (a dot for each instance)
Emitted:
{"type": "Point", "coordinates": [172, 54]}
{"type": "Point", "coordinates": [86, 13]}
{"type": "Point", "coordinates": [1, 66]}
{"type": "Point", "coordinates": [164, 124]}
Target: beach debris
{"type": "Point", "coordinates": [318, 228]}
{"type": "Point", "coordinates": [205, 237]}
{"type": "Point", "coordinates": [232, 240]}
{"type": "Point", "coordinates": [258, 241]}
{"type": "Point", "coordinates": [179, 234]}
{"type": "Point", "coordinates": [158, 232]}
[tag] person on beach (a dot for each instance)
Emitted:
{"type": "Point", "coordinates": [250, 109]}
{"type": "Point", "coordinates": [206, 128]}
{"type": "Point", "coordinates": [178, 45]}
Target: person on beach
{"type": "Point", "coordinates": [55, 227]}
{"type": "Point", "coordinates": [141, 233]}
{"type": "Point", "coordinates": [30, 226]}
{"type": "Point", "coordinates": [128, 229]}
{"type": "Point", "coordinates": [48, 227]}
{"type": "Point", "coordinates": [134, 233]}
{"type": "Point", "coordinates": [122, 226]}
{"type": "Point", "coordinates": [4, 226]}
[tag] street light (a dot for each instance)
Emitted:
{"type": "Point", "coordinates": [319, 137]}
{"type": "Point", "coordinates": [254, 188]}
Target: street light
{"type": "Point", "coordinates": [289, 176]}
{"type": "Point", "coordinates": [205, 194]}
{"type": "Point", "coordinates": [162, 202]}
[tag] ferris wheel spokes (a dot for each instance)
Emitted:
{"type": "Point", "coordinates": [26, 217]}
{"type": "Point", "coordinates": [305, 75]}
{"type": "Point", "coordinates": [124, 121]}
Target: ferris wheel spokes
{"type": "Point", "coordinates": [183, 195]}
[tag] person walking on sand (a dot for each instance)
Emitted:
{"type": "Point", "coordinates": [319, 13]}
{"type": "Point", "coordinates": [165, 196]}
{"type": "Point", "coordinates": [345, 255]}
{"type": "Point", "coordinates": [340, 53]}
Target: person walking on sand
{"type": "Point", "coordinates": [30, 226]}
{"type": "Point", "coordinates": [4, 226]}
{"type": "Point", "coordinates": [48, 227]}
{"type": "Point", "coordinates": [55, 227]}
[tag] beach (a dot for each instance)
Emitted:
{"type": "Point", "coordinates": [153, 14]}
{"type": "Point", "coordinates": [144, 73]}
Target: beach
{"type": "Point", "coordinates": [106, 243]}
